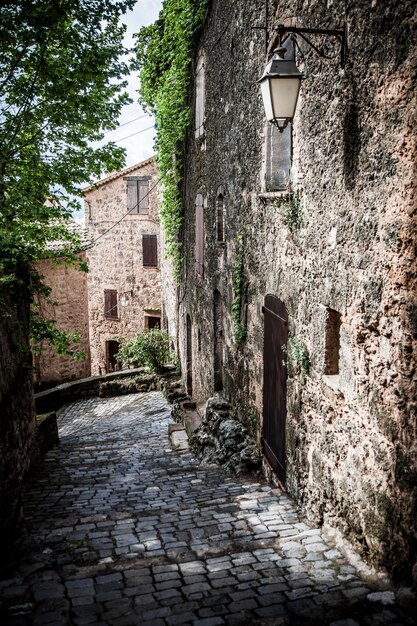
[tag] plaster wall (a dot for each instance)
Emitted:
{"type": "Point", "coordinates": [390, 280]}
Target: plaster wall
{"type": "Point", "coordinates": [350, 443]}
{"type": "Point", "coordinates": [115, 261]}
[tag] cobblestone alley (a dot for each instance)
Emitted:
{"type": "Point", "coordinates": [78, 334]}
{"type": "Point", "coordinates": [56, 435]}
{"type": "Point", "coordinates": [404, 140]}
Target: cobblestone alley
{"type": "Point", "coordinates": [122, 530]}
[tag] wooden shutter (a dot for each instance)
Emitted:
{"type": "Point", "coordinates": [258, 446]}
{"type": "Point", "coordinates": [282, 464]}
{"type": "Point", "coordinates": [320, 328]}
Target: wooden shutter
{"type": "Point", "coordinates": [150, 250]}
{"type": "Point", "coordinates": [143, 194]}
{"type": "Point", "coordinates": [199, 236]}
{"type": "Point", "coordinates": [110, 303]}
{"type": "Point", "coordinates": [132, 196]}
{"type": "Point", "coordinates": [199, 97]}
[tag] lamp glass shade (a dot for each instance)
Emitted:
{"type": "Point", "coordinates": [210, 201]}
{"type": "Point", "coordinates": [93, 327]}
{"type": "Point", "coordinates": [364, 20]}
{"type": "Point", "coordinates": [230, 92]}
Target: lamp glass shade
{"type": "Point", "coordinates": [280, 86]}
{"type": "Point", "coordinates": [280, 95]}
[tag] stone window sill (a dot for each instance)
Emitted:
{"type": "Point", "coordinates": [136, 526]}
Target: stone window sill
{"type": "Point", "coordinates": [333, 382]}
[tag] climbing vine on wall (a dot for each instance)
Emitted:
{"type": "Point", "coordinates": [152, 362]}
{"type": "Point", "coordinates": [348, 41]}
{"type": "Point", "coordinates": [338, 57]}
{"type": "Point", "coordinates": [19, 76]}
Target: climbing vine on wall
{"type": "Point", "coordinates": [238, 282]}
{"type": "Point", "coordinates": [163, 58]}
{"type": "Point", "coordinates": [298, 357]}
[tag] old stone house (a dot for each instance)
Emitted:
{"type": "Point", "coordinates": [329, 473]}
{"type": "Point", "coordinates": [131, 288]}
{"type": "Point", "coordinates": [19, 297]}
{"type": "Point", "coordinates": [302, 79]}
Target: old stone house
{"type": "Point", "coordinates": [124, 285]}
{"type": "Point", "coordinates": [298, 293]}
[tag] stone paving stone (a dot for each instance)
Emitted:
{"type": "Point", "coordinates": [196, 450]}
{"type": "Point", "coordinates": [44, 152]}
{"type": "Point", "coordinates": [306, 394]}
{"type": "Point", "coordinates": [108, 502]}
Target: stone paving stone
{"type": "Point", "coordinates": [124, 531]}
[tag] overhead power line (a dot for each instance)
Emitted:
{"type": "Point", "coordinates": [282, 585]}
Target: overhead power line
{"type": "Point", "coordinates": [126, 123]}
{"type": "Point", "coordinates": [133, 134]}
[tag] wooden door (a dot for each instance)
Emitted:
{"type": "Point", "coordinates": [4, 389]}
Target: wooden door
{"type": "Point", "coordinates": [275, 384]}
{"type": "Point", "coordinates": [218, 342]}
{"type": "Point", "coordinates": [112, 348]}
{"type": "Point", "coordinates": [189, 357]}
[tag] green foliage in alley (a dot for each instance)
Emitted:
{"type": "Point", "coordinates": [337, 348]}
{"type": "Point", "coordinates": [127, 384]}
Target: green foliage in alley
{"type": "Point", "coordinates": [149, 349]}
{"type": "Point", "coordinates": [163, 52]}
{"type": "Point", "coordinates": [238, 281]}
{"type": "Point", "coordinates": [61, 87]}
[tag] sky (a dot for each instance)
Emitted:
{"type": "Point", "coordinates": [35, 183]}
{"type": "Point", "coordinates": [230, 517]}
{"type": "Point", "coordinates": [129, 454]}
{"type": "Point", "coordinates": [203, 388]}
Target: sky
{"type": "Point", "coordinates": [139, 145]}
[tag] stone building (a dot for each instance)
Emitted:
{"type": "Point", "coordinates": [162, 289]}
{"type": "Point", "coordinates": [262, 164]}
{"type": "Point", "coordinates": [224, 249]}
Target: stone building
{"type": "Point", "coordinates": [67, 306]}
{"type": "Point", "coordinates": [124, 285]}
{"type": "Point", "coordinates": [299, 277]}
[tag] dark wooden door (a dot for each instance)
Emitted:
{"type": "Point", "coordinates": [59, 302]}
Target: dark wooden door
{"type": "Point", "coordinates": [189, 357]}
{"type": "Point", "coordinates": [275, 384]}
{"type": "Point", "coordinates": [218, 342]}
{"type": "Point", "coordinates": [112, 348]}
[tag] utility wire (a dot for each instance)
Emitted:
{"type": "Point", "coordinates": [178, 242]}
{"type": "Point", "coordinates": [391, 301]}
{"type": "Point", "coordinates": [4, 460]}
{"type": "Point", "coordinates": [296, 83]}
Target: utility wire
{"type": "Point", "coordinates": [137, 133]}
{"type": "Point", "coordinates": [126, 123]}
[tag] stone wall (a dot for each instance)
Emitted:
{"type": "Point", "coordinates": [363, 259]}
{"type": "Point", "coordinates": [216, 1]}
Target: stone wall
{"type": "Point", "coordinates": [17, 409]}
{"type": "Point", "coordinates": [115, 261]}
{"type": "Point", "coordinates": [341, 238]}
{"type": "Point", "coordinates": [69, 292]}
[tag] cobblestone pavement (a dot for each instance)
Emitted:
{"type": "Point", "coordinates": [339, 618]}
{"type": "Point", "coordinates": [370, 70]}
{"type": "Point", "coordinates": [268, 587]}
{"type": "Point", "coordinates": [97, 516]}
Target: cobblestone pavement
{"type": "Point", "coordinates": [122, 530]}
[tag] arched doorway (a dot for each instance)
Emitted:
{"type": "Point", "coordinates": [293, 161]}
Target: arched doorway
{"type": "Point", "coordinates": [275, 384]}
{"type": "Point", "coordinates": [218, 341]}
{"type": "Point", "coordinates": [189, 357]}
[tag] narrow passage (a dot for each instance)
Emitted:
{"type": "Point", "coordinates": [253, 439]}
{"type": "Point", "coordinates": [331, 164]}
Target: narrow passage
{"type": "Point", "coordinates": [121, 530]}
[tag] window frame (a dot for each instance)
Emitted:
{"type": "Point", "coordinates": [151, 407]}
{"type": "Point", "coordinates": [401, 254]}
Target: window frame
{"type": "Point", "coordinates": [134, 184]}
{"type": "Point", "coordinates": [111, 304]}
{"type": "Point", "coordinates": [200, 96]}
{"type": "Point", "coordinates": [150, 237]}
{"type": "Point", "coordinates": [199, 236]}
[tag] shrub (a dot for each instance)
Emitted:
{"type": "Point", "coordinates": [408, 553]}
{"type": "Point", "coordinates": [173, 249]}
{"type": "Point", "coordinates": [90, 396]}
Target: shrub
{"type": "Point", "coordinates": [149, 349]}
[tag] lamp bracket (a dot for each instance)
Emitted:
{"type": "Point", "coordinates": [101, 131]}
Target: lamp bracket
{"type": "Point", "coordinates": [340, 34]}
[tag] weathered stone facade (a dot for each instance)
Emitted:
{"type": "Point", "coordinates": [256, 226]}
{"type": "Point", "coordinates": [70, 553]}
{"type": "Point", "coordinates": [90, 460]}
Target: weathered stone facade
{"type": "Point", "coordinates": [18, 445]}
{"type": "Point", "coordinates": [70, 312]}
{"type": "Point", "coordinates": [337, 247]}
{"type": "Point", "coordinates": [116, 260]}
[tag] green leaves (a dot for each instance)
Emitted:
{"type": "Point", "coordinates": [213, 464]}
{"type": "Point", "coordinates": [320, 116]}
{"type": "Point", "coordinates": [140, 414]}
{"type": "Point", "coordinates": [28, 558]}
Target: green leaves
{"type": "Point", "coordinates": [163, 58]}
{"type": "Point", "coordinates": [62, 72]}
{"type": "Point", "coordinates": [238, 282]}
{"type": "Point", "coordinates": [61, 86]}
{"type": "Point", "coordinates": [149, 349]}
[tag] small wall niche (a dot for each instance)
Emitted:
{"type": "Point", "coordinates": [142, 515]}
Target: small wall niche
{"type": "Point", "coordinates": [332, 345]}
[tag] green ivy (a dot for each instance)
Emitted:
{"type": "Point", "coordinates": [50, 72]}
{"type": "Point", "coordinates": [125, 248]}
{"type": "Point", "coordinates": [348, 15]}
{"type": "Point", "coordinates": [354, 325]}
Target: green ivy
{"type": "Point", "coordinates": [163, 58]}
{"type": "Point", "coordinates": [298, 356]}
{"type": "Point", "coordinates": [238, 282]}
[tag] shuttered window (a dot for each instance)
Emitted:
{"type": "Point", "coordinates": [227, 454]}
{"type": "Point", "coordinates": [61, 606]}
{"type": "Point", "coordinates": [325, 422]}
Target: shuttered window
{"type": "Point", "coordinates": [199, 96]}
{"type": "Point", "coordinates": [150, 250]}
{"type": "Point", "coordinates": [199, 236]}
{"type": "Point", "coordinates": [110, 304]}
{"type": "Point", "coordinates": [138, 195]}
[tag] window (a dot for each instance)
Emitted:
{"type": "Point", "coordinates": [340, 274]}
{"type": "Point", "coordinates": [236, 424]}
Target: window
{"type": "Point", "coordinates": [200, 96]}
{"type": "Point", "coordinates": [138, 194]}
{"type": "Point", "coordinates": [332, 345]}
{"type": "Point", "coordinates": [278, 157]}
{"type": "Point", "coordinates": [199, 235]}
{"type": "Point", "coordinates": [152, 321]}
{"type": "Point", "coordinates": [110, 304]}
{"type": "Point", "coordinates": [150, 250]}
{"type": "Point", "coordinates": [220, 215]}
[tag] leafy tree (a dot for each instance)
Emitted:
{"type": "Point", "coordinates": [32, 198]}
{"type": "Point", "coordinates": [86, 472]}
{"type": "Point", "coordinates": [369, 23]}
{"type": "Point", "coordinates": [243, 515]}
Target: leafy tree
{"type": "Point", "coordinates": [61, 86]}
{"type": "Point", "coordinates": [149, 349]}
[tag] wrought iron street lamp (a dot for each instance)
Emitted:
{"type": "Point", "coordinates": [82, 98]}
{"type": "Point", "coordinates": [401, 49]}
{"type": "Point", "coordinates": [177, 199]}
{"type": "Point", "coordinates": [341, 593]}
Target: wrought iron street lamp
{"type": "Point", "coordinates": [280, 86]}
{"type": "Point", "coordinates": [281, 80]}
